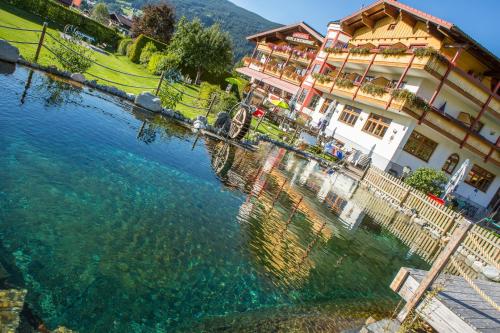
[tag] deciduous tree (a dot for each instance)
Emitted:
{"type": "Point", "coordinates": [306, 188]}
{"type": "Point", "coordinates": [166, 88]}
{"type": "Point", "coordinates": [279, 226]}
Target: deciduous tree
{"type": "Point", "coordinates": [157, 21]}
{"type": "Point", "coordinates": [202, 49]}
{"type": "Point", "coordinates": [100, 13]}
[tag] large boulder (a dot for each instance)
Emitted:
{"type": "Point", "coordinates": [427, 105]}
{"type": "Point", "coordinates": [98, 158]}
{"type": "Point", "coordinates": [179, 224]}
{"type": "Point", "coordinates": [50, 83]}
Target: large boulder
{"type": "Point", "coordinates": [148, 101]}
{"type": "Point", "coordinates": [492, 273]}
{"type": "Point", "coordinates": [8, 52]}
{"type": "Point", "coordinates": [223, 122]}
{"type": "Point", "coordinates": [78, 77]}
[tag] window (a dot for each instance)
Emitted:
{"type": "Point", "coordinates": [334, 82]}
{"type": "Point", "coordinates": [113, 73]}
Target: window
{"type": "Point", "coordinates": [314, 101]}
{"type": "Point", "coordinates": [377, 125]}
{"type": "Point", "coordinates": [349, 115]}
{"type": "Point", "coordinates": [451, 163]}
{"type": "Point", "coordinates": [316, 68]}
{"type": "Point", "coordinates": [420, 146]}
{"type": "Point", "coordinates": [329, 43]}
{"type": "Point", "coordinates": [391, 26]}
{"type": "Point", "coordinates": [325, 106]}
{"type": "Point", "coordinates": [479, 178]}
{"type": "Point", "coordinates": [302, 96]}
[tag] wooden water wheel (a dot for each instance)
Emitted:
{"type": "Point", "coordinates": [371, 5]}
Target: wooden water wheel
{"type": "Point", "coordinates": [240, 124]}
{"type": "Point", "coordinates": [223, 158]}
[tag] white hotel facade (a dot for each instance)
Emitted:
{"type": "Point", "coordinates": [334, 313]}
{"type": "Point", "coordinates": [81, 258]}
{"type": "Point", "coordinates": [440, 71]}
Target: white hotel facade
{"type": "Point", "coordinates": [451, 111]}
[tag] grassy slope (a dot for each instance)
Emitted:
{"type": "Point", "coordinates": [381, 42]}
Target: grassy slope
{"type": "Point", "coordinates": [11, 16]}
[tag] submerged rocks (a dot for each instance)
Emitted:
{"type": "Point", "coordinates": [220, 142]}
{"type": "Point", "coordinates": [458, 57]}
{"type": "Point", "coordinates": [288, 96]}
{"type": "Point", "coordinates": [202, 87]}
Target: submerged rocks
{"type": "Point", "coordinates": [149, 101]}
{"type": "Point", "coordinates": [8, 52]}
{"type": "Point", "coordinates": [11, 305]}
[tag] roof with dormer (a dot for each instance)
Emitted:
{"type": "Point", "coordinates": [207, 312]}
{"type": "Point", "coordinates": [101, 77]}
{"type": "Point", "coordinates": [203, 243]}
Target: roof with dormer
{"type": "Point", "coordinates": [300, 26]}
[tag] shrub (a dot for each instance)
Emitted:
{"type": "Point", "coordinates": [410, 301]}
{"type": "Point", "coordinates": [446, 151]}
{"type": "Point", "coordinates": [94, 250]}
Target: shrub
{"type": "Point", "coordinates": [73, 56]}
{"type": "Point", "coordinates": [139, 43]}
{"type": "Point", "coordinates": [225, 102]}
{"type": "Point", "coordinates": [372, 89]}
{"type": "Point", "coordinates": [410, 98]}
{"type": "Point", "coordinates": [207, 92]}
{"type": "Point", "coordinates": [160, 62]}
{"type": "Point", "coordinates": [169, 96]}
{"type": "Point", "coordinates": [124, 45]}
{"type": "Point", "coordinates": [428, 180]}
{"type": "Point", "coordinates": [51, 10]}
{"type": "Point", "coordinates": [344, 83]}
{"type": "Point", "coordinates": [147, 52]}
{"type": "Point", "coordinates": [242, 86]}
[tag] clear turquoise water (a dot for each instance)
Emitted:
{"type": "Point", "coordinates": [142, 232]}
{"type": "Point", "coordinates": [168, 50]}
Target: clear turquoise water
{"type": "Point", "coordinates": [115, 223]}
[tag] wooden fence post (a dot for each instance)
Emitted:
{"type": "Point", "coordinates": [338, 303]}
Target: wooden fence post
{"type": "Point", "coordinates": [365, 172]}
{"type": "Point", "coordinates": [210, 106]}
{"type": "Point", "coordinates": [40, 42]}
{"type": "Point", "coordinates": [162, 77]}
{"type": "Point", "coordinates": [405, 198]}
{"type": "Point", "coordinates": [456, 239]}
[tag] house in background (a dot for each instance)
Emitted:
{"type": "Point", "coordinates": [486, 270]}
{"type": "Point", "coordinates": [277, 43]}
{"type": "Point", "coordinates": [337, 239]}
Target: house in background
{"type": "Point", "coordinates": [74, 3]}
{"type": "Point", "coordinates": [121, 22]}
{"type": "Point", "coordinates": [409, 90]}
{"type": "Point", "coordinates": [281, 60]}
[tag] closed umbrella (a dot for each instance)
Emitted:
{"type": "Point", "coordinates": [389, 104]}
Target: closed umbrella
{"type": "Point", "coordinates": [456, 179]}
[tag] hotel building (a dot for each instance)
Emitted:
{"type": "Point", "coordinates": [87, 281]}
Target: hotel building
{"type": "Point", "coordinates": [280, 61]}
{"type": "Point", "coordinates": [410, 90]}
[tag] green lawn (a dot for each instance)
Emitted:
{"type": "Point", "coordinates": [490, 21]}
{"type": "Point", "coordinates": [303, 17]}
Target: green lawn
{"type": "Point", "coordinates": [14, 17]}
{"type": "Point", "coordinates": [11, 16]}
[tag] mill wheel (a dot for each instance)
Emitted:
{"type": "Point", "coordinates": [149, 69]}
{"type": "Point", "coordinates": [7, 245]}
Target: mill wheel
{"type": "Point", "coordinates": [240, 124]}
{"type": "Point", "coordinates": [223, 158]}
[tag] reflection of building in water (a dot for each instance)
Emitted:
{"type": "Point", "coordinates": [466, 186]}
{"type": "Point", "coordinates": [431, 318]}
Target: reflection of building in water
{"type": "Point", "coordinates": [284, 223]}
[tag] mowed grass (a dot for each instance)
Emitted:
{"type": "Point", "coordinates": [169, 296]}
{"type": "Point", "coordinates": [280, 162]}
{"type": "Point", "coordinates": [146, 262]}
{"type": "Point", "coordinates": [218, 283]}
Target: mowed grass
{"type": "Point", "coordinates": [14, 17]}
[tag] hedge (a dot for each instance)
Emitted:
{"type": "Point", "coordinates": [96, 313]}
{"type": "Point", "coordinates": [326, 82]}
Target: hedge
{"type": "Point", "coordinates": [162, 62]}
{"type": "Point", "coordinates": [123, 46]}
{"type": "Point", "coordinates": [139, 43]}
{"type": "Point", "coordinates": [51, 10]}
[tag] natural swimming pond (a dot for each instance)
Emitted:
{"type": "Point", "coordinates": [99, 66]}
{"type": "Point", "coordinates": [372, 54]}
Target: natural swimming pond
{"type": "Point", "coordinates": [118, 221]}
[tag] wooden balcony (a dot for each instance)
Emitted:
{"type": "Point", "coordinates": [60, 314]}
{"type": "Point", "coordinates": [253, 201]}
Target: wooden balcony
{"type": "Point", "coordinates": [444, 124]}
{"type": "Point", "coordinates": [463, 83]}
{"type": "Point", "coordinates": [264, 48]}
{"type": "Point", "coordinates": [400, 60]}
{"type": "Point", "coordinates": [292, 78]}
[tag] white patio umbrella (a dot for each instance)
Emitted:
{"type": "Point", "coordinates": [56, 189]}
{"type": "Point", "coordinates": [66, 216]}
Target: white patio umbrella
{"type": "Point", "coordinates": [456, 179]}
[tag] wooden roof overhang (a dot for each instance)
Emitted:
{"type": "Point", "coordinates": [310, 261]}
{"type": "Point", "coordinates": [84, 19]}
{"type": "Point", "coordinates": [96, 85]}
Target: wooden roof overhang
{"type": "Point", "coordinates": [436, 27]}
{"type": "Point", "coordinates": [281, 33]}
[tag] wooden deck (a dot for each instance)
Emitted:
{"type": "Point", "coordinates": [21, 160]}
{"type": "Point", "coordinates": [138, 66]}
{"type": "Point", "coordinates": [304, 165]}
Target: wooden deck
{"type": "Point", "coordinates": [455, 309]}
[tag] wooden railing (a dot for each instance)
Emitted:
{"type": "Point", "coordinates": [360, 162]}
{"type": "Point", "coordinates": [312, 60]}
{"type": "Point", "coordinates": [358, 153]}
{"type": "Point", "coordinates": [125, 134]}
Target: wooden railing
{"type": "Point", "coordinates": [439, 221]}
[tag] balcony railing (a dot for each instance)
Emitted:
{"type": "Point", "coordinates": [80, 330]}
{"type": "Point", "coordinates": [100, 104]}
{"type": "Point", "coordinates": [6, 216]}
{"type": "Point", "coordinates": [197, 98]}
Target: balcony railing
{"type": "Point", "coordinates": [443, 123]}
{"type": "Point", "coordinates": [464, 83]}
{"type": "Point", "coordinates": [293, 55]}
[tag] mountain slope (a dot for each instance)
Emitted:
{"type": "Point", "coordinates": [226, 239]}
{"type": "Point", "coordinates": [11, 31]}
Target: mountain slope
{"type": "Point", "coordinates": [238, 21]}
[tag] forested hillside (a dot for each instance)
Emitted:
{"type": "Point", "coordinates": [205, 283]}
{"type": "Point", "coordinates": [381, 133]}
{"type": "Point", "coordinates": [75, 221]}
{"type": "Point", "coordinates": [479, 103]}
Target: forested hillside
{"type": "Point", "coordinates": [237, 21]}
